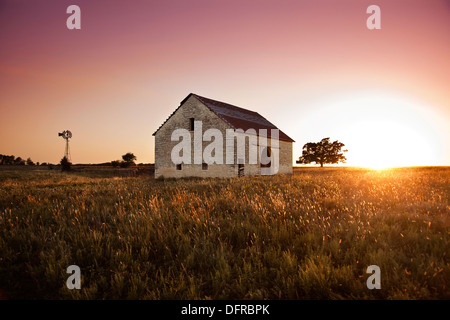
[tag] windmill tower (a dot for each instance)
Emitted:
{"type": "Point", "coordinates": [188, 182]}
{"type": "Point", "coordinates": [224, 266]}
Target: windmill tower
{"type": "Point", "coordinates": [66, 136]}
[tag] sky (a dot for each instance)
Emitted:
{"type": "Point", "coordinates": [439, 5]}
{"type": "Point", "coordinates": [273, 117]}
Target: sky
{"type": "Point", "coordinates": [312, 68]}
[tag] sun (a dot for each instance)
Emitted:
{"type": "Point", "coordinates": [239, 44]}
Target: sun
{"type": "Point", "coordinates": [383, 130]}
{"type": "Point", "coordinates": [381, 143]}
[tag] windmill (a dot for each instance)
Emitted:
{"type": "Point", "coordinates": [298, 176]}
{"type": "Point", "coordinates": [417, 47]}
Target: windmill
{"type": "Point", "coordinates": [66, 135]}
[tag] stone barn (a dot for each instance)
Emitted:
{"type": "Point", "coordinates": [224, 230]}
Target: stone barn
{"type": "Point", "coordinates": [209, 138]}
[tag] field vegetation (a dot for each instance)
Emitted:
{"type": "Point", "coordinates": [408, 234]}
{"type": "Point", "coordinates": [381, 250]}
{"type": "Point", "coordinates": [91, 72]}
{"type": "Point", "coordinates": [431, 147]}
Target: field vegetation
{"type": "Point", "coordinates": [306, 236]}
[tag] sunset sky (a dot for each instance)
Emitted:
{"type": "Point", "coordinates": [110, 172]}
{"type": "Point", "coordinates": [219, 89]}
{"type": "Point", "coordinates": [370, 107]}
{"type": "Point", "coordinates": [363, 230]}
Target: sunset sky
{"type": "Point", "coordinates": [312, 68]}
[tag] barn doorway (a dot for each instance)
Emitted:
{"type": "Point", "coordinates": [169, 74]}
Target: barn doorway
{"type": "Point", "coordinates": [241, 170]}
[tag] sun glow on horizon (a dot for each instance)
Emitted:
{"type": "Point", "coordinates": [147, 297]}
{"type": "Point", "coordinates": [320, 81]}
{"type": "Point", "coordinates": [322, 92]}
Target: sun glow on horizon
{"type": "Point", "coordinates": [382, 130]}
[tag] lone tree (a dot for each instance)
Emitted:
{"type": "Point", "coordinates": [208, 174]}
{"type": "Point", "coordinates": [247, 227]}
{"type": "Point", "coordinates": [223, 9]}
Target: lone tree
{"type": "Point", "coordinates": [322, 152]}
{"type": "Point", "coordinates": [128, 159]}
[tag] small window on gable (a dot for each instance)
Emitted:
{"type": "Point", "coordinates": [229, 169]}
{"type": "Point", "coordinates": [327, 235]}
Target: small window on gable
{"type": "Point", "coordinates": [191, 124]}
{"type": "Point", "coordinates": [204, 166]}
{"type": "Point", "coordinates": [179, 166]}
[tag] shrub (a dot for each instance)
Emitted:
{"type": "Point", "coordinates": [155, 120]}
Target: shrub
{"type": "Point", "coordinates": [66, 165]}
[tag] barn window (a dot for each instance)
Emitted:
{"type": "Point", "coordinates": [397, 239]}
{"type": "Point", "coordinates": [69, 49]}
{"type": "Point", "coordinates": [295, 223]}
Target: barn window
{"type": "Point", "coordinates": [191, 124]}
{"type": "Point", "coordinates": [179, 166]}
{"type": "Point", "coordinates": [204, 166]}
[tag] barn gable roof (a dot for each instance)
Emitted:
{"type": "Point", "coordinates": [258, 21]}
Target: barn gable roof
{"type": "Point", "coordinates": [236, 117]}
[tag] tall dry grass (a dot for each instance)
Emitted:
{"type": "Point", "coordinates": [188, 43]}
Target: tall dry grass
{"type": "Point", "coordinates": [307, 236]}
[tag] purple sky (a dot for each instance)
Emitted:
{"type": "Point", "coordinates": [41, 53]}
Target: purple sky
{"type": "Point", "coordinates": [310, 67]}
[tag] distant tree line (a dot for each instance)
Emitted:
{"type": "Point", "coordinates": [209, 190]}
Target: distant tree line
{"type": "Point", "coordinates": [128, 160]}
{"type": "Point", "coordinates": [13, 161]}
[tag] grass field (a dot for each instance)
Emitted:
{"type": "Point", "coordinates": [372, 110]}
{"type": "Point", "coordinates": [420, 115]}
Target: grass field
{"type": "Point", "coordinates": [307, 236]}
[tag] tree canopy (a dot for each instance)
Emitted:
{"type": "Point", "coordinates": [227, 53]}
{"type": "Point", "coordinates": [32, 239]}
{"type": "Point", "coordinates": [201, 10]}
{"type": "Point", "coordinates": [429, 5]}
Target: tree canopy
{"type": "Point", "coordinates": [129, 157]}
{"type": "Point", "coordinates": [128, 160]}
{"type": "Point", "coordinates": [323, 152]}
{"type": "Point", "coordinates": [12, 160]}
